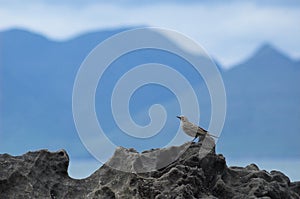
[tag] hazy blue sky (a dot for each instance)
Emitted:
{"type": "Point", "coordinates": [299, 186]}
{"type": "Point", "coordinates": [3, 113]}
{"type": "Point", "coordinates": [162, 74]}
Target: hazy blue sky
{"type": "Point", "coordinates": [228, 30]}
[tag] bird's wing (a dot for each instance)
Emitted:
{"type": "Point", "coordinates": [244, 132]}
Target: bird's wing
{"type": "Point", "coordinates": [190, 127]}
{"type": "Point", "coordinates": [201, 131]}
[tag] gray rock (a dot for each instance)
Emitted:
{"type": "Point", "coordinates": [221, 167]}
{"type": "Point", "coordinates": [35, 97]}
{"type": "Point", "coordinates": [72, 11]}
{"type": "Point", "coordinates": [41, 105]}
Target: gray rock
{"type": "Point", "coordinates": [187, 171]}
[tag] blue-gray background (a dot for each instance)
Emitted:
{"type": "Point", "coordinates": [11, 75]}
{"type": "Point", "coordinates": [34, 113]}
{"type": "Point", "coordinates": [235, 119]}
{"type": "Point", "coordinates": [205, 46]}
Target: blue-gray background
{"type": "Point", "coordinates": [256, 48]}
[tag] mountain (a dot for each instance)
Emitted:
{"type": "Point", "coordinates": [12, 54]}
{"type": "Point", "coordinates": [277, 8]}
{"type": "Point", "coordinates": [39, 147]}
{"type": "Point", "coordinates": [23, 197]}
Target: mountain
{"type": "Point", "coordinates": [43, 174]}
{"type": "Point", "coordinates": [263, 94]}
{"type": "Point", "coordinates": [37, 77]}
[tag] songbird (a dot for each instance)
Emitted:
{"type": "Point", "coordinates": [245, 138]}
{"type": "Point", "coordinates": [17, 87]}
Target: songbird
{"type": "Point", "coordinates": [192, 129]}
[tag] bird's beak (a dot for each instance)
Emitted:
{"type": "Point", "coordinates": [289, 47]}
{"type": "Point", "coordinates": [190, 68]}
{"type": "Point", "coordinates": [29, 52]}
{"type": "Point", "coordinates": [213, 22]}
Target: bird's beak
{"type": "Point", "coordinates": [178, 117]}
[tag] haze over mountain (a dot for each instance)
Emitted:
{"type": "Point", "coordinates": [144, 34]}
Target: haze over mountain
{"type": "Point", "coordinates": [263, 94]}
{"type": "Point", "coordinates": [37, 76]}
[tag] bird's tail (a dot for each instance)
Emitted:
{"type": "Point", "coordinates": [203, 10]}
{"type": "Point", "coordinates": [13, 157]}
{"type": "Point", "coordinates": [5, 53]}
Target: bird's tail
{"type": "Point", "coordinates": [212, 135]}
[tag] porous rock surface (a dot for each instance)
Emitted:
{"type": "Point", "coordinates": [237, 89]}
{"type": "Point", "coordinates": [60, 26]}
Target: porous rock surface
{"type": "Point", "coordinates": [43, 174]}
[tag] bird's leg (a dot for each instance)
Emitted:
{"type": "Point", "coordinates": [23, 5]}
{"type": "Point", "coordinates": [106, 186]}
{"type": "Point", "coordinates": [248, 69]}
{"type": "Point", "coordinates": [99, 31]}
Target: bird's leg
{"type": "Point", "coordinates": [195, 138]}
{"type": "Point", "coordinates": [201, 138]}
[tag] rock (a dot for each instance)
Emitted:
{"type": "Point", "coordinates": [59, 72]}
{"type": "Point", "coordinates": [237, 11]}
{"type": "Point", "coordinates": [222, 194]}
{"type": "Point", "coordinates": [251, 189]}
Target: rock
{"type": "Point", "coordinates": [187, 171]}
{"type": "Point", "coordinates": [130, 160]}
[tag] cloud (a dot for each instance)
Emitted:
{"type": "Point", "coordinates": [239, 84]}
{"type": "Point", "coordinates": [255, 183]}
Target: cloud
{"type": "Point", "coordinates": [229, 32]}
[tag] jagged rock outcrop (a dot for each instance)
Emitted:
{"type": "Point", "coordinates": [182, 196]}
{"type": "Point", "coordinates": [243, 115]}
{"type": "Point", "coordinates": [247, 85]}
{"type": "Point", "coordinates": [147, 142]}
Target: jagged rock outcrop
{"type": "Point", "coordinates": [43, 174]}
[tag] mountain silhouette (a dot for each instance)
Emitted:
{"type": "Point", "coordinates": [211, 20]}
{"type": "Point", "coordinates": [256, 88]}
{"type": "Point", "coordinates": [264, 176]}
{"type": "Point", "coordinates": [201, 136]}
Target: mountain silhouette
{"type": "Point", "coordinates": [37, 76]}
{"type": "Point", "coordinates": [262, 96]}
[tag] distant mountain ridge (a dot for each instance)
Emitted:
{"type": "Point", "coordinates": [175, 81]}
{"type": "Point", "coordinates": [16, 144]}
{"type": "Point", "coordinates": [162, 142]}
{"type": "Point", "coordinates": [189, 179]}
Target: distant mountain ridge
{"type": "Point", "coordinates": [263, 95]}
{"type": "Point", "coordinates": [37, 76]}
